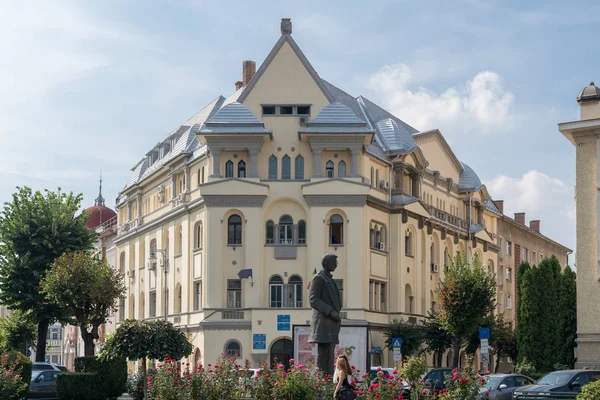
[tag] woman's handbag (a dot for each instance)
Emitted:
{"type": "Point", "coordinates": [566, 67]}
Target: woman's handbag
{"type": "Point", "coordinates": [346, 393]}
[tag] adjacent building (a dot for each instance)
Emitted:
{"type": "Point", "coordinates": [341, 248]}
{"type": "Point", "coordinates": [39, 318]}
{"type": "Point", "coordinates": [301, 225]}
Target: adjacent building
{"type": "Point", "coordinates": [584, 135]}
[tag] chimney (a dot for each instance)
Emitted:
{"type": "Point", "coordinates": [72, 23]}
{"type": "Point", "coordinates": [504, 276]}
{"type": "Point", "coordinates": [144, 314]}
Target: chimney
{"type": "Point", "coordinates": [520, 218]}
{"type": "Point", "coordinates": [248, 71]}
{"type": "Point", "coordinates": [239, 85]}
{"type": "Point", "coordinates": [499, 205]}
{"type": "Point", "coordinates": [535, 225]}
{"type": "Point", "coordinates": [286, 26]}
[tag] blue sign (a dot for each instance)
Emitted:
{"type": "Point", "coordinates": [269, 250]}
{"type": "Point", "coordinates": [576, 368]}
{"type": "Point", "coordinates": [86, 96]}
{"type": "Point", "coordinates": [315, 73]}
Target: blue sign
{"type": "Point", "coordinates": [283, 322]}
{"type": "Point", "coordinates": [377, 350]}
{"type": "Point", "coordinates": [259, 341]}
{"type": "Point", "coordinates": [484, 333]}
{"type": "Point", "coordinates": [396, 343]}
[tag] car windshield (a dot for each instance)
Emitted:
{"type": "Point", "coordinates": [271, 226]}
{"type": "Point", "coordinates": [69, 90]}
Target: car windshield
{"type": "Point", "coordinates": [492, 381]}
{"type": "Point", "coordinates": [555, 378]}
{"type": "Point", "coordinates": [42, 367]}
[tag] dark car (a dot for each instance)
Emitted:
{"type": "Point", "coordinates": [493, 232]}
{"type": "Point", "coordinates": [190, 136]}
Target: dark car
{"type": "Point", "coordinates": [42, 366]}
{"type": "Point", "coordinates": [43, 385]}
{"type": "Point", "coordinates": [435, 380]}
{"type": "Point", "coordinates": [502, 386]}
{"type": "Point", "coordinates": [557, 385]}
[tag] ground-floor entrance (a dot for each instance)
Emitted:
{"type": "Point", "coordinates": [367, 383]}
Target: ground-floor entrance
{"type": "Point", "coordinates": [281, 353]}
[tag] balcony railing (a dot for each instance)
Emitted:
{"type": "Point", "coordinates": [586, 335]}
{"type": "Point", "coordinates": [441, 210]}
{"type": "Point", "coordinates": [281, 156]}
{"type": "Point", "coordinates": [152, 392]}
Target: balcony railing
{"type": "Point", "coordinates": [447, 217]}
{"type": "Point", "coordinates": [232, 315]}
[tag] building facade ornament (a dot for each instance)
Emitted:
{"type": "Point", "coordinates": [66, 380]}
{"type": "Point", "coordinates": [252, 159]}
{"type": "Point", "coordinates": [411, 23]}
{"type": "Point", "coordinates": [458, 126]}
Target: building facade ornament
{"type": "Point", "coordinates": [335, 200]}
{"type": "Point", "coordinates": [218, 200]}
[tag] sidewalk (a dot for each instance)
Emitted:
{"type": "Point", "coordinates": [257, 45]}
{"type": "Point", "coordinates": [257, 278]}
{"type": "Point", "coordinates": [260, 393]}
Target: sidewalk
{"type": "Point", "coordinates": [125, 396]}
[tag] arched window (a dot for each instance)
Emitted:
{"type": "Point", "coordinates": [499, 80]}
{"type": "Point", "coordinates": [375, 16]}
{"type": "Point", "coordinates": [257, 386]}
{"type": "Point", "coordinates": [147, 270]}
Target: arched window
{"type": "Point", "coordinates": [273, 167]}
{"type": "Point", "coordinates": [329, 169]}
{"type": "Point", "coordinates": [286, 225]}
{"type": "Point", "coordinates": [286, 167]}
{"type": "Point", "coordinates": [121, 310]}
{"type": "Point", "coordinates": [142, 306]}
{"type": "Point", "coordinates": [178, 298]}
{"type": "Point", "coordinates": [198, 235]}
{"type": "Point", "coordinates": [408, 243]}
{"type": "Point", "coordinates": [376, 178]}
{"type": "Point", "coordinates": [372, 177]}
{"type": "Point", "coordinates": [233, 348]}
{"type": "Point", "coordinates": [299, 167]}
{"type": "Point", "coordinates": [270, 232]}
{"type": "Point", "coordinates": [276, 292]}
{"type": "Point", "coordinates": [153, 248]}
{"type": "Point", "coordinates": [432, 255]}
{"type": "Point", "coordinates": [377, 236]}
{"type": "Point", "coordinates": [122, 263]}
{"type": "Point", "coordinates": [302, 232]}
{"type": "Point", "coordinates": [342, 169]}
{"type": "Point", "coordinates": [234, 229]}
{"type": "Point", "coordinates": [202, 175]}
{"type": "Point", "coordinates": [229, 169]}
{"type": "Point", "coordinates": [372, 236]}
{"type": "Point", "coordinates": [409, 300]}
{"type": "Point", "coordinates": [242, 169]}
{"type": "Point", "coordinates": [132, 307]}
{"type": "Point", "coordinates": [295, 292]}
{"type": "Point", "coordinates": [446, 259]}
{"type": "Point", "coordinates": [336, 229]}
{"type": "Point", "coordinates": [179, 241]}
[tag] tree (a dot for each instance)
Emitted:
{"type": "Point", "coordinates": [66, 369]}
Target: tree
{"type": "Point", "coordinates": [567, 317]}
{"type": "Point", "coordinates": [158, 340]}
{"type": "Point", "coordinates": [503, 340]}
{"type": "Point", "coordinates": [437, 338]}
{"type": "Point", "coordinates": [35, 229]}
{"type": "Point", "coordinates": [88, 288]}
{"type": "Point", "coordinates": [412, 335]}
{"type": "Point", "coordinates": [467, 296]}
{"type": "Point", "coordinates": [529, 321]}
{"type": "Point", "coordinates": [17, 332]}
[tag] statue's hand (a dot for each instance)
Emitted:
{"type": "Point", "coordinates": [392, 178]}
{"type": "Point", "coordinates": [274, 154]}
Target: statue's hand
{"type": "Point", "coordinates": [334, 316]}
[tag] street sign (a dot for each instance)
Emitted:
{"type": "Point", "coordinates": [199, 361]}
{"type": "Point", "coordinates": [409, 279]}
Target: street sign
{"type": "Point", "coordinates": [485, 351]}
{"type": "Point", "coordinates": [259, 341]}
{"type": "Point", "coordinates": [397, 355]}
{"type": "Point", "coordinates": [283, 322]}
{"type": "Point", "coordinates": [397, 348]}
{"type": "Point", "coordinates": [484, 333]}
{"type": "Point", "coordinates": [485, 358]}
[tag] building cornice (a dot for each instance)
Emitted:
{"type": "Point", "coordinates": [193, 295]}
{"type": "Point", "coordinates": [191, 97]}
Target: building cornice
{"type": "Point", "coordinates": [335, 200]}
{"type": "Point", "coordinates": [577, 129]}
{"type": "Point", "coordinates": [226, 325]}
{"type": "Point", "coordinates": [227, 200]}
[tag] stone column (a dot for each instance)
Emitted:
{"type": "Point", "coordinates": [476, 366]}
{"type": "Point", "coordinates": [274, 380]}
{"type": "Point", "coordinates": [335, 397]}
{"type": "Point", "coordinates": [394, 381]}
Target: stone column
{"type": "Point", "coordinates": [216, 161]}
{"type": "Point", "coordinates": [354, 173]}
{"type": "Point", "coordinates": [253, 167]}
{"type": "Point", "coordinates": [186, 175]}
{"type": "Point", "coordinates": [317, 163]}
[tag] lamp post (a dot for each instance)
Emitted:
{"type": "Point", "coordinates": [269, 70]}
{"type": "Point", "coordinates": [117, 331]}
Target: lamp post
{"type": "Point", "coordinates": [164, 265]}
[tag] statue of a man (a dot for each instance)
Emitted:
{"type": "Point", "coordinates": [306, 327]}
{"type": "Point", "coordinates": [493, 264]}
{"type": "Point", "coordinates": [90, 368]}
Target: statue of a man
{"type": "Point", "coordinates": [325, 325]}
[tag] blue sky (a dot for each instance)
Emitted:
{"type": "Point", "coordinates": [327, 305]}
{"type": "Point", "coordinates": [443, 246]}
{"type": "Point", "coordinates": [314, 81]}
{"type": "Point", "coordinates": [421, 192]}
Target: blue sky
{"type": "Point", "coordinates": [90, 86]}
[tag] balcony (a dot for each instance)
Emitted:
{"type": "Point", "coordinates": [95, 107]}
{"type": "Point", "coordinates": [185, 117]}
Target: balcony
{"type": "Point", "coordinates": [447, 217]}
{"type": "Point", "coordinates": [232, 315]}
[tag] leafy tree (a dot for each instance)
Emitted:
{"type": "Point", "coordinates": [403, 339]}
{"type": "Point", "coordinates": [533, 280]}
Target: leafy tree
{"type": "Point", "coordinates": [35, 229]}
{"type": "Point", "coordinates": [467, 296]}
{"type": "Point", "coordinates": [437, 338]}
{"type": "Point", "coordinates": [158, 340]}
{"type": "Point", "coordinates": [503, 340]}
{"type": "Point", "coordinates": [529, 321]}
{"type": "Point", "coordinates": [567, 317]}
{"type": "Point", "coordinates": [88, 288]}
{"type": "Point", "coordinates": [413, 336]}
{"type": "Point", "coordinates": [548, 282]}
{"type": "Point", "coordinates": [17, 332]}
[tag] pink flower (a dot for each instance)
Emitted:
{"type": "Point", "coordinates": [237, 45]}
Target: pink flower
{"type": "Point", "coordinates": [280, 366]}
{"type": "Point", "coordinates": [291, 360]}
{"type": "Point", "coordinates": [277, 383]}
{"type": "Point", "coordinates": [378, 369]}
{"type": "Point", "coordinates": [284, 374]}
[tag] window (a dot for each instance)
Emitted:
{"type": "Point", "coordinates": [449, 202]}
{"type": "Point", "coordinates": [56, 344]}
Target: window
{"type": "Point", "coordinates": [122, 263]}
{"type": "Point", "coordinates": [242, 169]}
{"type": "Point", "coordinates": [500, 273]}
{"type": "Point", "coordinates": [197, 295]}
{"type": "Point", "coordinates": [299, 170]}
{"type": "Point", "coordinates": [229, 169]}
{"type": "Point", "coordinates": [286, 110]}
{"type": "Point", "coordinates": [376, 178]}
{"type": "Point", "coordinates": [303, 110]}
{"type": "Point", "coordinates": [121, 310]}
{"type": "Point", "coordinates": [234, 293]}
{"type": "Point", "coordinates": [268, 110]}
{"type": "Point", "coordinates": [152, 247]}
{"type": "Point", "coordinates": [508, 301]}
{"type": "Point", "coordinates": [55, 335]}
{"type": "Point", "coordinates": [329, 169]}
{"type": "Point", "coordinates": [302, 232]}
{"type": "Point", "coordinates": [153, 303]}
{"type": "Point", "coordinates": [508, 248]}
{"type": "Point", "coordinates": [198, 235]}
{"type": "Point", "coordinates": [340, 285]}
{"type": "Point", "coordinates": [179, 241]}
{"type": "Point", "coordinates": [377, 236]}
{"type": "Point", "coordinates": [336, 229]}
{"type": "Point", "coordinates": [286, 224]}
{"type": "Point", "coordinates": [525, 255]}
{"type": "Point", "coordinates": [273, 167]}
{"type": "Point", "coordinates": [275, 292]}
{"type": "Point", "coordinates": [533, 256]}
{"type": "Point", "coordinates": [234, 230]}
{"type": "Point", "coordinates": [342, 169]}
{"type": "Point", "coordinates": [372, 177]}
{"type": "Point", "coordinates": [377, 296]}
{"type": "Point", "coordinates": [269, 234]}
{"type": "Point", "coordinates": [202, 175]}
{"type": "Point", "coordinates": [408, 243]}
{"type": "Point", "coordinates": [509, 275]}
{"type": "Point", "coordinates": [286, 167]}
{"type": "Point", "coordinates": [233, 349]}
{"type": "Point", "coordinates": [294, 292]}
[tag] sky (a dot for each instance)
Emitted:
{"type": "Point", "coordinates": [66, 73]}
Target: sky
{"type": "Point", "coordinates": [88, 86]}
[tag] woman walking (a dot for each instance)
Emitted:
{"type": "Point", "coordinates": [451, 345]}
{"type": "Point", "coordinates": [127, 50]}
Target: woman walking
{"type": "Point", "coordinates": [343, 390]}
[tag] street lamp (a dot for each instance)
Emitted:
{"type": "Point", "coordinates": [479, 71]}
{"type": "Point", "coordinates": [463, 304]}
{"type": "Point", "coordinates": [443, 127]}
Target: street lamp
{"type": "Point", "coordinates": [164, 265]}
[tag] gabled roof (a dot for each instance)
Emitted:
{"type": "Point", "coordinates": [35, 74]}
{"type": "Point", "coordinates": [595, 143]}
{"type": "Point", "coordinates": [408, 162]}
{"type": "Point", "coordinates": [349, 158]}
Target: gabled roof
{"type": "Point", "coordinates": [283, 39]}
{"type": "Point", "coordinates": [444, 144]}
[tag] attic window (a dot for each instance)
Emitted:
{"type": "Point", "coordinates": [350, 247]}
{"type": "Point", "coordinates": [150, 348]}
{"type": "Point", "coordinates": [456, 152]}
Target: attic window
{"type": "Point", "coordinates": [303, 110]}
{"type": "Point", "coordinates": [286, 110]}
{"type": "Point", "coordinates": [268, 110]}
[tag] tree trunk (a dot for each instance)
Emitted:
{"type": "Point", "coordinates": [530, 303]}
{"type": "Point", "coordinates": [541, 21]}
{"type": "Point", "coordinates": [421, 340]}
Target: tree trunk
{"type": "Point", "coordinates": [455, 351]}
{"type": "Point", "coordinates": [497, 362]}
{"type": "Point", "coordinates": [40, 351]}
{"type": "Point", "coordinates": [88, 340]}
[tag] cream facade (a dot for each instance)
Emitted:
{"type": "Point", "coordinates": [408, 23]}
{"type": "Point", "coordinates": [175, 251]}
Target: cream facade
{"type": "Point", "coordinates": [241, 202]}
{"type": "Point", "coordinates": [584, 134]}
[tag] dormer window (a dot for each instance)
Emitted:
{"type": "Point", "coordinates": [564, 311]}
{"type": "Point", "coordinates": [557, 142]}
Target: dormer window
{"type": "Point", "coordinates": [286, 110]}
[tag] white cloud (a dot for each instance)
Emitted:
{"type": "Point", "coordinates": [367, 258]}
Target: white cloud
{"type": "Point", "coordinates": [541, 197]}
{"type": "Point", "coordinates": [482, 103]}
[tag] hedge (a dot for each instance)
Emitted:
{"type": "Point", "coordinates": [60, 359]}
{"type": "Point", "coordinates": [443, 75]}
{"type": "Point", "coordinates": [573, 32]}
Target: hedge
{"type": "Point", "coordinates": [112, 373]}
{"type": "Point", "coordinates": [79, 386]}
{"type": "Point", "coordinates": [25, 365]}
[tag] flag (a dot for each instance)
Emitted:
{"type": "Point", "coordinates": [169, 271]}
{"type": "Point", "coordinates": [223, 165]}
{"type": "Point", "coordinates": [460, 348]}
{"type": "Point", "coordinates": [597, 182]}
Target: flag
{"type": "Point", "coordinates": [245, 273]}
{"type": "Point", "coordinates": [311, 278]}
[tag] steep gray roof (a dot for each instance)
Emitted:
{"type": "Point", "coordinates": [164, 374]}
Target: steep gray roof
{"type": "Point", "coordinates": [468, 181]}
{"type": "Point", "coordinates": [337, 118]}
{"type": "Point", "coordinates": [491, 206]}
{"type": "Point", "coordinates": [234, 118]}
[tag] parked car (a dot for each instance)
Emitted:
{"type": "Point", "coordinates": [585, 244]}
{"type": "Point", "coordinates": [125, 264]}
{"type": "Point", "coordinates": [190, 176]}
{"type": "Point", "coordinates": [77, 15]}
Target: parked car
{"type": "Point", "coordinates": [43, 385]}
{"type": "Point", "coordinates": [61, 367]}
{"type": "Point", "coordinates": [384, 370]}
{"type": "Point", "coordinates": [434, 378]}
{"type": "Point", "coordinates": [502, 386]}
{"type": "Point", "coordinates": [557, 385]}
{"type": "Point", "coordinates": [43, 366]}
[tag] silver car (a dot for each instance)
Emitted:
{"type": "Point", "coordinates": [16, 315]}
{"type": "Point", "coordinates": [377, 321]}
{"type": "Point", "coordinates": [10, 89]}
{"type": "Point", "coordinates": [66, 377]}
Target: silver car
{"type": "Point", "coordinates": [502, 386]}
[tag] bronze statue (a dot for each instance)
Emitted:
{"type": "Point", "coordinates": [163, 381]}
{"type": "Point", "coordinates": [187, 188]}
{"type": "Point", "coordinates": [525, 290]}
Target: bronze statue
{"type": "Point", "coordinates": [324, 297]}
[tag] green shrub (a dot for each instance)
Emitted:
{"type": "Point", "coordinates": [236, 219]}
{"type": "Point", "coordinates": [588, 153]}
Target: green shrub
{"type": "Point", "coordinates": [112, 373]}
{"type": "Point", "coordinates": [591, 391]}
{"type": "Point", "coordinates": [135, 384]}
{"type": "Point", "coordinates": [79, 386]}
